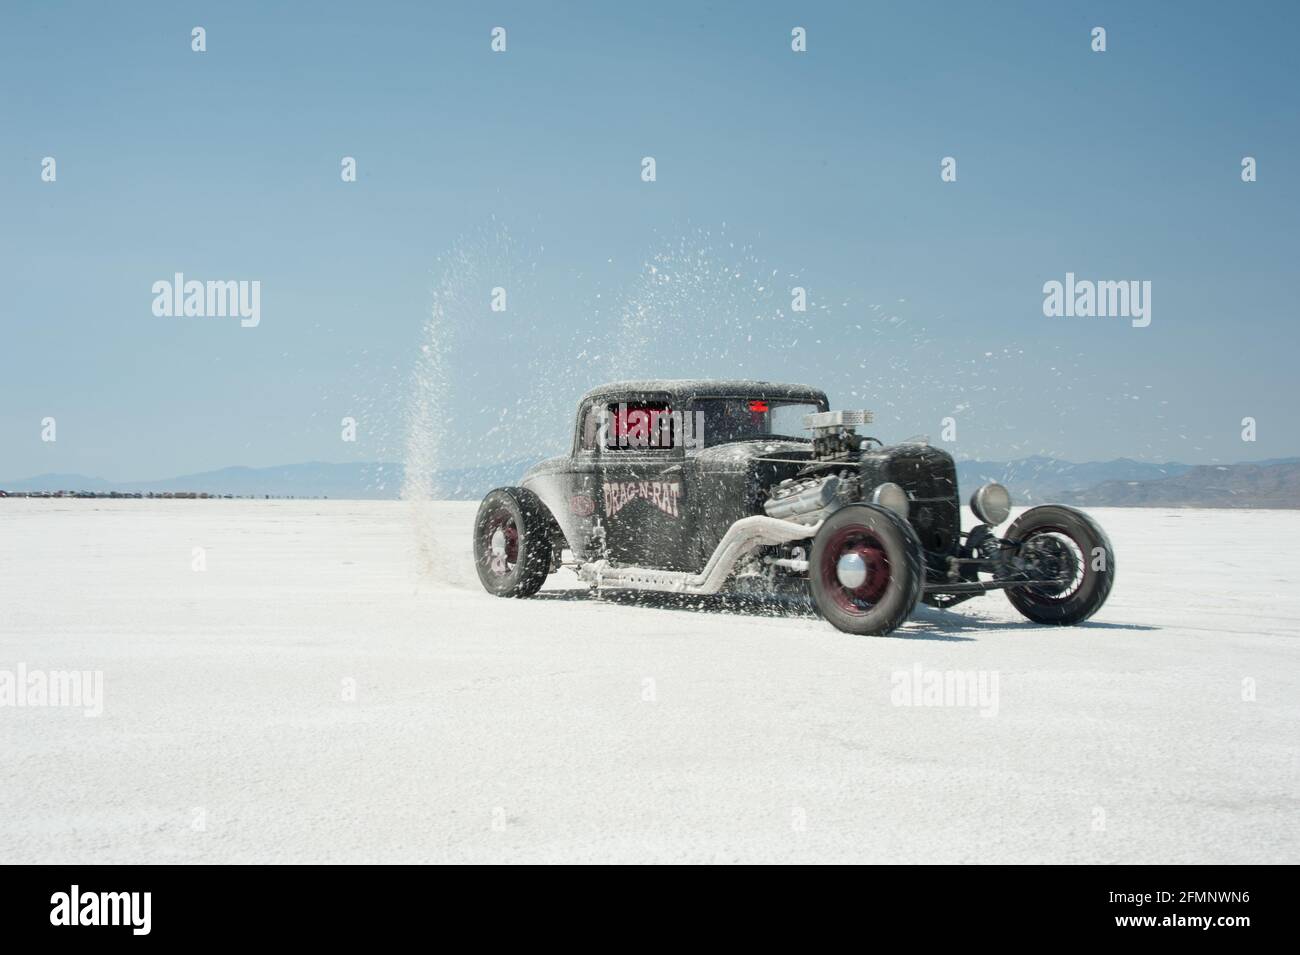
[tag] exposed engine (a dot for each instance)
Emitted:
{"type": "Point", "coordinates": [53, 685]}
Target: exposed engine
{"type": "Point", "coordinates": [810, 499]}
{"type": "Point", "coordinates": [831, 480]}
{"type": "Point", "coordinates": [916, 481]}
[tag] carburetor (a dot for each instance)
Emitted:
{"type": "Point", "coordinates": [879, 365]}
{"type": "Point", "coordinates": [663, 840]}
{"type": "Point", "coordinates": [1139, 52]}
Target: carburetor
{"type": "Point", "coordinates": [834, 433]}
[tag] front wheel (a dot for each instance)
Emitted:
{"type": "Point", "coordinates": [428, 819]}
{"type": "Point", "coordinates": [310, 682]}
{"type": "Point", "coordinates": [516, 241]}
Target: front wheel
{"type": "Point", "coordinates": [865, 571]}
{"type": "Point", "coordinates": [512, 546]}
{"type": "Point", "coordinates": [1069, 551]}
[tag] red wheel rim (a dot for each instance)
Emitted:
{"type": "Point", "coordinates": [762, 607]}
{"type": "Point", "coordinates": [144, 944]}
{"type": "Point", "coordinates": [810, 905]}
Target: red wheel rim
{"type": "Point", "coordinates": [866, 545]}
{"type": "Point", "coordinates": [500, 543]}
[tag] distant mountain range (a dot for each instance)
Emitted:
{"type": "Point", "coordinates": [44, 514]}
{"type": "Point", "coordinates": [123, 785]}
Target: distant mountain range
{"type": "Point", "coordinates": [314, 479]}
{"type": "Point", "coordinates": [1033, 480]}
{"type": "Point", "coordinates": [1038, 479]}
{"type": "Point", "coordinates": [1263, 484]}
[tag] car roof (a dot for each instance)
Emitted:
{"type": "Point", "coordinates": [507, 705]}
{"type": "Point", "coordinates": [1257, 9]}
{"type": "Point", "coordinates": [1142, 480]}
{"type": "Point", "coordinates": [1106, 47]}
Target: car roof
{"type": "Point", "coordinates": [678, 388]}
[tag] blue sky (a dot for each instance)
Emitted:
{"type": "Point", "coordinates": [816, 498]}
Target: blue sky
{"type": "Point", "coordinates": [522, 170]}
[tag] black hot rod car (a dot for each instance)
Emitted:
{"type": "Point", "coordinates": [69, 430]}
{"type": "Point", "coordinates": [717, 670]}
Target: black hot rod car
{"type": "Point", "coordinates": [696, 486]}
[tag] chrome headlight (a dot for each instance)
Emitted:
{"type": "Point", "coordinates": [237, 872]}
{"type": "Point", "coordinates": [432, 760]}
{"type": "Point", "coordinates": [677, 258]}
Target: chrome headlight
{"type": "Point", "coordinates": [891, 497]}
{"type": "Point", "coordinates": [991, 504]}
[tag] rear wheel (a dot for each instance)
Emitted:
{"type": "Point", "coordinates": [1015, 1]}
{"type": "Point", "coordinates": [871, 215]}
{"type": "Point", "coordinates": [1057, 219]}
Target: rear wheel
{"type": "Point", "coordinates": [512, 542]}
{"type": "Point", "coordinates": [1071, 550]}
{"type": "Point", "coordinates": [865, 571]}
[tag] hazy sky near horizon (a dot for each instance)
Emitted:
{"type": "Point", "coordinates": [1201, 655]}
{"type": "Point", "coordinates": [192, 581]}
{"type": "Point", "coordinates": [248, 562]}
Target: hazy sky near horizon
{"type": "Point", "coordinates": [522, 170]}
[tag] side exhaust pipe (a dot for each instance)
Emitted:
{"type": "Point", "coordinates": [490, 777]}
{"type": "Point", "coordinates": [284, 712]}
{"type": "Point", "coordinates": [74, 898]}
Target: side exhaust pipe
{"type": "Point", "coordinates": [742, 537]}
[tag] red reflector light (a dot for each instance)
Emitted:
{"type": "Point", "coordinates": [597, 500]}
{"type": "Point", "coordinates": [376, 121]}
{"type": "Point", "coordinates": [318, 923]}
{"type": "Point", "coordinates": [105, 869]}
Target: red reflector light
{"type": "Point", "coordinates": [758, 406]}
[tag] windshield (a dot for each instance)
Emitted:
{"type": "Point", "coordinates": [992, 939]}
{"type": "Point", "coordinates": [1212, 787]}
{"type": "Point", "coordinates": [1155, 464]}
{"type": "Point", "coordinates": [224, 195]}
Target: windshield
{"type": "Point", "coordinates": [744, 419]}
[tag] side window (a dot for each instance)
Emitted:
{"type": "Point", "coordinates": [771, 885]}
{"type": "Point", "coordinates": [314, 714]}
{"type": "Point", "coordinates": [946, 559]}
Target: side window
{"type": "Point", "coordinates": [631, 426]}
{"type": "Point", "coordinates": [589, 433]}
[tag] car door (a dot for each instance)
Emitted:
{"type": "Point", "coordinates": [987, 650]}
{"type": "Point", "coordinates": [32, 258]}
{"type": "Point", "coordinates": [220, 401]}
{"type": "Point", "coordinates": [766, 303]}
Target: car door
{"type": "Point", "coordinates": [643, 500]}
{"type": "Point", "coordinates": [580, 500]}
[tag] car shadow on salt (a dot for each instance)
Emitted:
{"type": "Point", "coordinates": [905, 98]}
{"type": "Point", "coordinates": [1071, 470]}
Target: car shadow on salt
{"type": "Point", "coordinates": [732, 604]}
{"type": "Point", "coordinates": [926, 623]}
{"type": "Point", "coordinates": [950, 621]}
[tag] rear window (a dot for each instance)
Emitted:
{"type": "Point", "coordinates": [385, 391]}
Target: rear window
{"type": "Point", "coordinates": [744, 419]}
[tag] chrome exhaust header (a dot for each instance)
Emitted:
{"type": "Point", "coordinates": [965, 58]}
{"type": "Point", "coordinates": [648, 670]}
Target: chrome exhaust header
{"type": "Point", "coordinates": [742, 537]}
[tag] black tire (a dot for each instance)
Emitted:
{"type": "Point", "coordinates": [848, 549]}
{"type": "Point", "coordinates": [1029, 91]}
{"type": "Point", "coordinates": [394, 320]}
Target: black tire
{"type": "Point", "coordinates": [512, 542]}
{"type": "Point", "coordinates": [1072, 542]}
{"type": "Point", "coordinates": [891, 555]}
